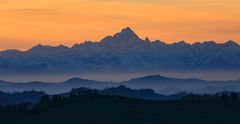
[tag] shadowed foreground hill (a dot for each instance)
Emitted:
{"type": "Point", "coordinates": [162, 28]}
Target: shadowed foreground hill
{"type": "Point", "coordinates": [20, 97]}
{"type": "Point", "coordinates": [34, 97]}
{"type": "Point", "coordinates": [93, 108]}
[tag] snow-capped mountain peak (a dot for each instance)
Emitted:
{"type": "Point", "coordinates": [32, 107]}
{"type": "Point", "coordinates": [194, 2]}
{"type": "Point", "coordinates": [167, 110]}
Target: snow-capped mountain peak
{"type": "Point", "coordinates": [127, 35]}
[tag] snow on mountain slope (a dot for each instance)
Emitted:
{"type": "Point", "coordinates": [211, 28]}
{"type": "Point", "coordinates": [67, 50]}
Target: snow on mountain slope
{"type": "Point", "coordinates": [124, 51]}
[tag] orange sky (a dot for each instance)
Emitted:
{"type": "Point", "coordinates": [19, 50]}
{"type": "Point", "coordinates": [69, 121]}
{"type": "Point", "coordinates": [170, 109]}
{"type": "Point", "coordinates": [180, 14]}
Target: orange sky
{"type": "Point", "coordinates": [25, 23]}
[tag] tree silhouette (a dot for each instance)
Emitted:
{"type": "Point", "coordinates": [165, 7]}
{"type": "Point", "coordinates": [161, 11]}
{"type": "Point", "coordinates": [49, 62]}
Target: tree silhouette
{"type": "Point", "coordinates": [45, 99]}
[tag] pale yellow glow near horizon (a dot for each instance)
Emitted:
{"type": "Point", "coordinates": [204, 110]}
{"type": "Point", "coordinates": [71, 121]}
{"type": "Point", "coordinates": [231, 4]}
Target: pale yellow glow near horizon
{"type": "Point", "coordinates": [25, 23]}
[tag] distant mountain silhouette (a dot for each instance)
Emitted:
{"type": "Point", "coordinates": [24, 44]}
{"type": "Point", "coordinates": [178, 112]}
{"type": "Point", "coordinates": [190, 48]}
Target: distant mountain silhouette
{"type": "Point", "coordinates": [168, 85]}
{"type": "Point", "coordinates": [122, 52]}
{"type": "Point", "coordinates": [138, 93]}
{"type": "Point", "coordinates": [160, 84]}
{"type": "Point", "coordinates": [127, 36]}
{"type": "Point", "coordinates": [53, 87]}
{"type": "Point", "coordinates": [159, 78]}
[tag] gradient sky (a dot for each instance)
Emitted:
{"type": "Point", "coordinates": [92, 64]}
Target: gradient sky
{"type": "Point", "coordinates": [25, 23]}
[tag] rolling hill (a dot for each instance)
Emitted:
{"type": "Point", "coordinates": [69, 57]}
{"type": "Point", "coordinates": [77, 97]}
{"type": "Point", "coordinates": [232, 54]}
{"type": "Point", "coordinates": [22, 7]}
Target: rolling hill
{"type": "Point", "coordinates": [160, 84]}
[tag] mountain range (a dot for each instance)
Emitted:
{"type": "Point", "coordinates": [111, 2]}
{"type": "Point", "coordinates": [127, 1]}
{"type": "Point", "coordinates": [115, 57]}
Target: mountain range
{"type": "Point", "coordinates": [122, 52]}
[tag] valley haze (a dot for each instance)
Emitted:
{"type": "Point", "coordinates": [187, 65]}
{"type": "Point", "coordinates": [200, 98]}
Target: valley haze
{"type": "Point", "coordinates": [160, 84]}
{"type": "Point", "coordinates": [82, 62]}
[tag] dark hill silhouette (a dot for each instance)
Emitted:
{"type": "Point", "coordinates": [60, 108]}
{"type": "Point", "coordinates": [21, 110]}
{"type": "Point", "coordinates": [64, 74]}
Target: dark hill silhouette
{"type": "Point", "coordinates": [92, 108]}
{"type": "Point", "coordinates": [157, 78]}
{"type": "Point", "coordinates": [20, 97]}
{"type": "Point", "coordinates": [139, 94]}
{"type": "Point", "coordinates": [33, 97]}
{"type": "Point", "coordinates": [160, 84]}
{"type": "Point", "coordinates": [53, 87]}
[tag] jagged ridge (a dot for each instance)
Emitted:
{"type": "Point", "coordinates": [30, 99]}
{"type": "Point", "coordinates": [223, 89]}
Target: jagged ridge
{"type": "Point", "coordinates": [124, 51]}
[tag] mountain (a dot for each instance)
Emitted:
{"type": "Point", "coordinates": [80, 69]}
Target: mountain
{"type": "Point", "coordinates": [168, 85]}
{"type": "Point", "coordinates": [126, 37]}
{"type": "Point", "coordinates": [147, 94]}
{"type": "Point", "coordinates": [160, 84]}
{"type": "Point", "coordinates": [53, 87]}
{"type": "Point", "coordinates": [33, 97]}
{"type": "Point", "coordinates": [122, 52]}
